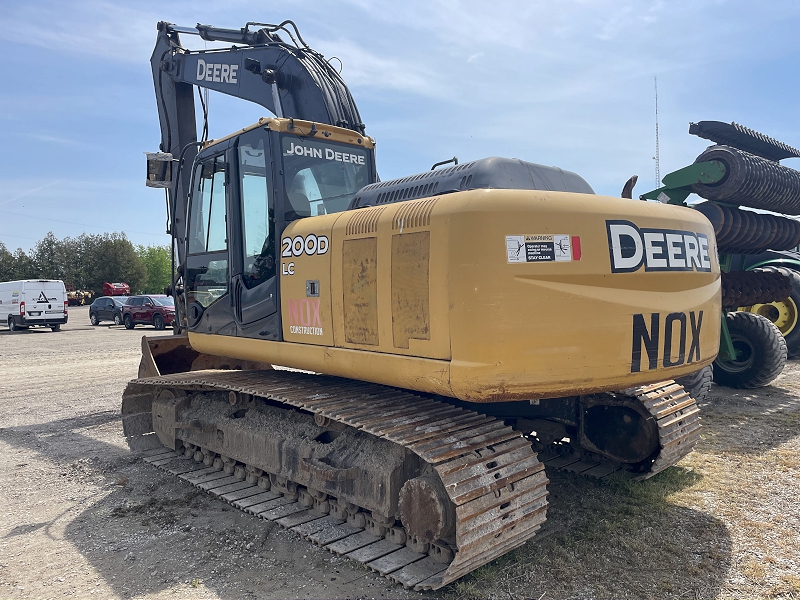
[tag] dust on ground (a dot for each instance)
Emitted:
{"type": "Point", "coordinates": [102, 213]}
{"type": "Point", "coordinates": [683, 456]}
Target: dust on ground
{"type": "Point", "coordinates": [81, 516]}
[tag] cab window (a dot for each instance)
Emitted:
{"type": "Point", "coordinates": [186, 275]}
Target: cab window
{"type": "Point", "coordinates": [207, 219]}
{"type": "Point", "coordinates": [257, 212]}
{"type": "Point", "coordinates": [207, 263]}
{"type": "Point", "coordinates": [321, 177]}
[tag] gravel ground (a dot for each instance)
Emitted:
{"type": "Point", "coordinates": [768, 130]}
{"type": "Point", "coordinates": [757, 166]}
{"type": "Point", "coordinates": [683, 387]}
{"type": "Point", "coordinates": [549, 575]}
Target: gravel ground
{"type": "Point", "coordinates": [81, 516]}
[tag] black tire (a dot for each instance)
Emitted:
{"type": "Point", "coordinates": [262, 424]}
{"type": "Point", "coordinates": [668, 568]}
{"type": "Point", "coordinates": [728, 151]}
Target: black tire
{"type": "Point", "coordinates": [791, 305]}
{"type": "Point", "coordinates": [128, 320]}
{"type": "Point", "coordinates": [698, 384]}
{"type": "Point", "coordinates": [117, 319]}
{"type": "Point", "coordinates": [93, 319]}
{"type": "Point", "coordinates": [158, 322]}
{"type": "Point", "coordinates": [761, 352]}
{"type": "Point", "coordinates": [11, 325]}
{"type": "Point", "coordinates": [55, 327]}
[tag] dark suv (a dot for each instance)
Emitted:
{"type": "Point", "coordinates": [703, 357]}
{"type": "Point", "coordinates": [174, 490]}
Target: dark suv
{"type": "Point", "coordinates": [107, 308]}
{"type": "Point", "coordinates": [156, 310]}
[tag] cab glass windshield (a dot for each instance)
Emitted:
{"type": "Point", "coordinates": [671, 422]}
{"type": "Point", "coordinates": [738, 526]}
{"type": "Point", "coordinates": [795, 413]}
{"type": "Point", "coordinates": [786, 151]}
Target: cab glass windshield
{"type": "Point", "coordinates": [321, 177]}
{"type": "Point", "coordinates": [168, 301]}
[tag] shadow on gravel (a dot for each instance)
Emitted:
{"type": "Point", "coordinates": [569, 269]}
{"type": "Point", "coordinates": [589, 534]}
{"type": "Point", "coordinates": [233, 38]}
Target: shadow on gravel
{"type": "Point", "coordinates": [617, 539]}
{"type": "Point", "coordinates": [750, 421]}
{"type": "Point", "coordinates": [157, 534]}
{"type": "Point", "coordinates": [145, 531]}
{"type": "Point", "coordinates": [61, 441]}
{"type": "Point", "coordinates": [28, 331]}
{"type": "Point", "coordinates": [23, 529]}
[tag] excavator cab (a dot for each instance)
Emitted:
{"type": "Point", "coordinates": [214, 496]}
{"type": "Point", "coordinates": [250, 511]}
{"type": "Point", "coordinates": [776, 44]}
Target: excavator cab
{"type": "Point", "coordinates": [245, 190]}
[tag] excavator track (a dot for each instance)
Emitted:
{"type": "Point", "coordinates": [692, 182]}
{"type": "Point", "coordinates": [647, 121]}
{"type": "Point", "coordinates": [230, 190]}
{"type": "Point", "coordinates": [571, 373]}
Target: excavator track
{"type": "Point", "coordinates": [676, 417]}
{"type": "Point", "coordinates": [488, 470]}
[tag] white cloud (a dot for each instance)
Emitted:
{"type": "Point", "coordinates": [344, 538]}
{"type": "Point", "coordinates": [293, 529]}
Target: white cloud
{"type": "Point", "coordinates": [107, 30]}
{"type": "Point", "coordinates": [55, 139]}
{"type": "Point", "coordinates": [565, 82]}
{"type": "Point", "coordinates": [29, 189]}
{"type": "Point", "coordinates": [364, 68]}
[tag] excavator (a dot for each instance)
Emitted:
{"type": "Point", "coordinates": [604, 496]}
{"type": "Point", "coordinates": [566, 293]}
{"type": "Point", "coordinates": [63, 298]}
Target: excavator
{"type": "Point", "coordinates": [386, 367]}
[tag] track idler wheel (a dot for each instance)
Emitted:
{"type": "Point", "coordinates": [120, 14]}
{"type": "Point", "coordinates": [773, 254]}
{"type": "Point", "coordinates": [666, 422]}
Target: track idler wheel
{"type": "Point", "coordinates": [426, 511]}
{"type": "Point", "coordinates": [618, 428]}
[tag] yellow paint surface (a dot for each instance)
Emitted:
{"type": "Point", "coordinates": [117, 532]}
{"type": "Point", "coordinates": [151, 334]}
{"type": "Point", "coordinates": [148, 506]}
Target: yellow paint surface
{"type": "Point", "coordinates": [498, 330]}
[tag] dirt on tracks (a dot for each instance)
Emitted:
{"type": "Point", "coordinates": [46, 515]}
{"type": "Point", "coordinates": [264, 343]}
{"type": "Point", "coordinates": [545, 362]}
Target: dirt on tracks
{"type": "Point", "coordinates": [81, 516]}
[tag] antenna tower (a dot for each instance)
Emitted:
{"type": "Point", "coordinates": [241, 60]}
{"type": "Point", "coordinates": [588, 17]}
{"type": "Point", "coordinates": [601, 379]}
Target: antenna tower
{"type": "Point", "coordinates": [657, 158]}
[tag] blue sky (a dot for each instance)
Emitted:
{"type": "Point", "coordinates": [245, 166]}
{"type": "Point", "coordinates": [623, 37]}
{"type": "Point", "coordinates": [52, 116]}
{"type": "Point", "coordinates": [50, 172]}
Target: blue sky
{"type": "Point", "coordinates": [566, 83]}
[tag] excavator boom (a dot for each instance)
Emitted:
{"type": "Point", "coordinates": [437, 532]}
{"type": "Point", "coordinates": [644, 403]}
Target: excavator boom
{"type": "Point", "coordinates": [288, 79]}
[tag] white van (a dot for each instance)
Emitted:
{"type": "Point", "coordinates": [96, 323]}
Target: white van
{"type": "Point", "coordinates": [33, 303]}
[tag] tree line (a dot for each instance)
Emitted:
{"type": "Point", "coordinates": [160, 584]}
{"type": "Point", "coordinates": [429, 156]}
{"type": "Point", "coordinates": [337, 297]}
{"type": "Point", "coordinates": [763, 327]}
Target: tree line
{"type": "Point", "coordinates": [87, 261]}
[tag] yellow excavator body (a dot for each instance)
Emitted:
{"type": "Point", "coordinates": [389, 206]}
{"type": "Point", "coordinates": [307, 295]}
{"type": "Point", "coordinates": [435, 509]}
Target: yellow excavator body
{"type": "Point", "coordinates": [448, 335]}
{"type": "Point", "coordinates": [469, 295]}
{"type": "Point", "coordinates": [514, 328]}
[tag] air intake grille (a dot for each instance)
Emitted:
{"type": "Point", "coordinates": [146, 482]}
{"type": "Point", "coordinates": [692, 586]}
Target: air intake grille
{"type": "Point", "coordinates": [421, 185]}
{"type": "Point", "coordinates": [491, 173]}
{"type": "Point", "coordinates": [364, 221]}
{"type": "Point", "coordinates": [414, 214]}
{"type": "Point", "coordinates": [414, 191]}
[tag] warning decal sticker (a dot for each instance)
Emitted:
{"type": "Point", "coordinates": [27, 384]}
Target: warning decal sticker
{"type": "Point", "coordinates": [542, 248]}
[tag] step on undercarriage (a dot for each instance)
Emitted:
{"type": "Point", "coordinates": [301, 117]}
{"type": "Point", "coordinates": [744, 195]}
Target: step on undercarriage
{"type": "Point", "coordinates": [419, 490]}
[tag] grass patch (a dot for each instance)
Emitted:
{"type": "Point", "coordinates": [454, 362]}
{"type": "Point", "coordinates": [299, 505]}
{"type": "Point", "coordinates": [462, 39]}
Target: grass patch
{"type": "Point", "coordinates": [657, 490]}
{"type": "Point", "coordinates": [723, 523]}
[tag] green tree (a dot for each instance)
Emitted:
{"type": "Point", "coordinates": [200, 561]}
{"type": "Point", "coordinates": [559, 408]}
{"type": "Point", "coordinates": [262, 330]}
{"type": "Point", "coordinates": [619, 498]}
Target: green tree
{"type": "Point", "coordinates": [47, 257]}
{"type": "Point", "coordinates": [88, 261]}
{"type": "Point", "coordinates": [24, 267]}
{"type": "Point", "coordinates": [73, 259]}
{"type": "Point", "coordinates": [158, 262]}
{"type": "Point", "coordinates": [6, 263]}
{"type": "Point", "coordinates": [111, 257]}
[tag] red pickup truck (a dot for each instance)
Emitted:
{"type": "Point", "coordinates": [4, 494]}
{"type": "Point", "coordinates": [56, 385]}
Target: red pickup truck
{"type": "Point", "coordinates": [154, 309]}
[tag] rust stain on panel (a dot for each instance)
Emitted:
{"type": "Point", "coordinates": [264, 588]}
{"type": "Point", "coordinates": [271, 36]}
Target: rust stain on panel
{"type": "Point", "coordinates": [360, 288]}
{"type": "Point", "coordinates": [410, 288]}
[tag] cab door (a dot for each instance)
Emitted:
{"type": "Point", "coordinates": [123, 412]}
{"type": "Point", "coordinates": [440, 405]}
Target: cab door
{"type": "Point", "coordinates": [254, 281]}
{"type": "Point", "coordinates": [206, 271]}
